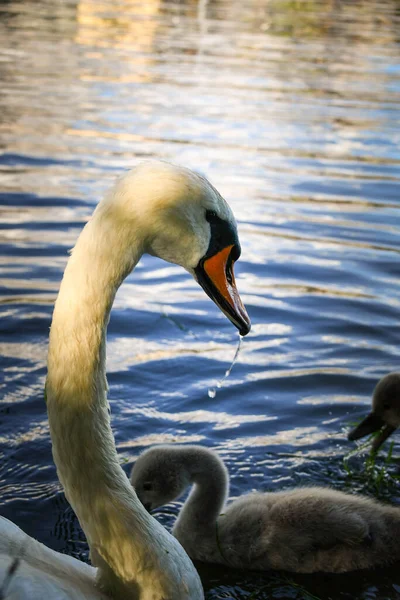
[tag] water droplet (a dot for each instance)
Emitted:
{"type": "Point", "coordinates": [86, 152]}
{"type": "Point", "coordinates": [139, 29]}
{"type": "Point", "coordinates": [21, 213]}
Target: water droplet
{"type": "Point", "coordinates": [213, 391]}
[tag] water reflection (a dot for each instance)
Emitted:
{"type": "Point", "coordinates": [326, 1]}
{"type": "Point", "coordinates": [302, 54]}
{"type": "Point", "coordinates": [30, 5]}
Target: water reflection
{"type": "Point", "coordinates": [220, 419]}
{"type": "Point", "coordinates": [135, 25]}
{"type": "Point", "coordinates": [291, 109]}
{"type": "Point", "coordinates": [298, 437]}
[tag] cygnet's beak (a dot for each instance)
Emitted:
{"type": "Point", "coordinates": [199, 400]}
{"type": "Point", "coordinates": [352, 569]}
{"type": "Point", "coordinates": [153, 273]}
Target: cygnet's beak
{"type": "Point", "coordinates": [370, 424]}
{"type": "Point", "coordinates": [216, 277]}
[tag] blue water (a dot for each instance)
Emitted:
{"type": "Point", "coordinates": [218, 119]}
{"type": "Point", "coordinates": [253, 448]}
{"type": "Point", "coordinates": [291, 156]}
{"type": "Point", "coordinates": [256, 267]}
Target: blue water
{"type": "Point", "coordinates": [292, 110]}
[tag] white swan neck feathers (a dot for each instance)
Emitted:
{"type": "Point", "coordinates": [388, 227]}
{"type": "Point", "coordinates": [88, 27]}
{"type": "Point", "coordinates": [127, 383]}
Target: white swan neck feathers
{"type": "Point", "coordinates": [167, 211]}
{"type": "Point", "coordinates": [302, 530]}
{"type": "Point", "coordinates": [385, 414]}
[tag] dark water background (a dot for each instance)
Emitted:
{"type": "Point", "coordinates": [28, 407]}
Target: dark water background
{"type": "Point", "coordinates": [292, 110]}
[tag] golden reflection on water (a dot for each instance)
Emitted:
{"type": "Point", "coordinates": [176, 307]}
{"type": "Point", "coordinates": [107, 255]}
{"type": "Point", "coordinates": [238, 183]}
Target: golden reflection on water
{"type": "Point", "coordinates": [30, 284]}
{"type": "Point", "coordinates": [332, 399]}
{"type": "Point", "coordinates": [144, 441]}
{"type": "Point", "coordinates": [297, 437]}
{"type": "Point", "coordinates": [25, 298]}
{"type": "Point", "coordinates": [34, 352]}
{"type": "Point", "coordinates": [119, 135]}
{"type": "Point", "coordinates": [35, 433]}
{"type": "Point", "coordinates": [220, 420]}
{"type": "Point", "coordinates": [323, 243]}
{"type": "Point", "coordinates": [288, 373]}
{"type": "Point", "coordinates": [125, 352]}
{"type": "Point", "coordinates": [131, 24]}
{"type": "Point", "coordinates": [39, 214]}
{"type": "Point", "coordinates": [288, 290]}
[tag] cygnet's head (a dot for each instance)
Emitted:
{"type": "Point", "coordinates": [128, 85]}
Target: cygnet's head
{"type": "Point", "coordinates": [159, 476]}
{"type": "Point", "coordinates": [182, 219]}
{"type": "Point", "coordinates": [385, 414]}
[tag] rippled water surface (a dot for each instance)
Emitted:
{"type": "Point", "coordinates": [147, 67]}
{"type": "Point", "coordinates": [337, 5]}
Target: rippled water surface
{"type": "Point", "coordinates": [292, 110]}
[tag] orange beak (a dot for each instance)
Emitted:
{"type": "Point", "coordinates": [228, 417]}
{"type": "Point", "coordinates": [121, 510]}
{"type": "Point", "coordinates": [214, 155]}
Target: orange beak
{"type": "Point", "coordinates": [216, 277]}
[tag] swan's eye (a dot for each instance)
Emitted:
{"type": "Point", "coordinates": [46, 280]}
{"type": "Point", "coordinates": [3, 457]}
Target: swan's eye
{"type": "Point", "coordinates": [147, 486]}
{"type": "Point", "coordinates": [211, 216]}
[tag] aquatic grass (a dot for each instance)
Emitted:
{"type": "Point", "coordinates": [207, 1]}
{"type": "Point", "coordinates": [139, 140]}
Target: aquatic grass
{"type": "Point", "coordinates": [378, 477]}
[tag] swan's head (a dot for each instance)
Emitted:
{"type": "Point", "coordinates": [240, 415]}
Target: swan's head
{"type": "Point", "coordinates": [159, 476]}
{"type": "Point", "coordinates": [180, 217]}
{"type": "Point", "coordinates": [385, 414]}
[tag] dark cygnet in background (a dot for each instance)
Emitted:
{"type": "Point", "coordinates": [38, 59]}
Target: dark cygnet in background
{"type": "Point", "coordinates": [385, 414]}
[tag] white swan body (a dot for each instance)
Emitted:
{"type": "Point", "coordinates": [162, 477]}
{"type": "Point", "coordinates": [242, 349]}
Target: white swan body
{"type": "Point", "coordinates": [385, 414]}
{"type": "Point", "coordinates": [177, 215]}
{"type": "Point", "coordinates": [302, 530]}
{"type": "Point", "coordinates": [41, 572]}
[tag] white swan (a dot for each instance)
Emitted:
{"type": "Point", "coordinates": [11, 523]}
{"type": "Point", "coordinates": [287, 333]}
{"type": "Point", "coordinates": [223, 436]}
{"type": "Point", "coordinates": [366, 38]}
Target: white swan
{"type": "Point", "coordinates": [303, 530]}
{"type": "Point", "coordinates": [385, 414]}
{"type": "Point", "coordinates": [166, 211]}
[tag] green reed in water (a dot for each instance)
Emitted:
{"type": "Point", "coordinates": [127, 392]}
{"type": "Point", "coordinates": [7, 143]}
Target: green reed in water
{"type": "Point", "coordinates": [377, 476]}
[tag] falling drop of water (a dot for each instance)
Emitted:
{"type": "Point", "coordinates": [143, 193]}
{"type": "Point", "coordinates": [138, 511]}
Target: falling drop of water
{"type": "Point", "coordinates": [213, 391]}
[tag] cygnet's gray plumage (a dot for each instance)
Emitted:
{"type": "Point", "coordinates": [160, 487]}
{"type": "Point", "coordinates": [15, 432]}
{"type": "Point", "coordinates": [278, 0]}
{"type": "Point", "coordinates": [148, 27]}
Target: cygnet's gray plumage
{"type": "Point", "coordinates": [304, 529]}
{"type": "Point", "coordinates": [385, 414]}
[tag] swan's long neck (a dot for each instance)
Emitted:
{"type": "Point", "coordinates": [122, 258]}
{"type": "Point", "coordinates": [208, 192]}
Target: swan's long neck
{"type": "Point", "coordinates": [207, 499]}
{"type": "Point", "coordinates": [83, 444]}
{"type": "Point", "coordinates": [137, 558]}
